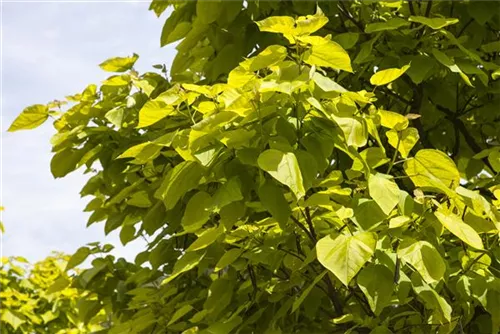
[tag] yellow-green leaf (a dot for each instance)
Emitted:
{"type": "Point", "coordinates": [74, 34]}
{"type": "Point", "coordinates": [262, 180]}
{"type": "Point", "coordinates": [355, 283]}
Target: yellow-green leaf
{"type": "Point", "coordinates": [30, 118]}
{"type": "Point", "coordinates": [435, 23]}
{"type": "Point", "coordinates": [406, 139]}
{"type": "Point", "coordinates": [206, 238]}
{"type": "Point", "coordinates": [183, 310]}
{"type": "Point", "coordinates": [464, 232]}
{"type": "Point", "coordinates": [119, 64]}
{"type": "Point", "coordinates": [384, 191]}
{"type": "Point", "coordinates": [424, 257]}
{"type": "Point", "coordinates": [152, 112]}
{"type": "Point", "coordinates": [391, 24]}
{"type": "Point", "coordinates": [432, 169]}
{"type": "Point", "coordinates": [384, 77]}
{"type": "Point", "coordinates": [345, 255]}
{"type": "Point", "coordinates": [197, 211]}
{"type": "Point", "coordinates": [446, 61]}
{"type": "Point", "coordinates": [327, 53]}
{"type": "Point", "coordinates": [187, 262]}
{"type": "Point", "coordinates": [392, 120]}
{"type": "Point", "coordinates": [284, 167]}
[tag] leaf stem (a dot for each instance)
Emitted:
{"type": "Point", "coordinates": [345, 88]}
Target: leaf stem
{"type": "Point", "coordinates": [391, 164]}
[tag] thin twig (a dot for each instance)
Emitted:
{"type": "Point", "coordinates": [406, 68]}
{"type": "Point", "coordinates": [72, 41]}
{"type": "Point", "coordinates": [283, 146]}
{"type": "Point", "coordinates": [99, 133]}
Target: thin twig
{"type": "Point", "coordinates": [306, 231]}
{"type": "Point", "coordinates": [464, 27]}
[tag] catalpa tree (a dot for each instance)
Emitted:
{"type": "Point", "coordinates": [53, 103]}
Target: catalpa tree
{"type": "Point", "coordinates": [304, 167]}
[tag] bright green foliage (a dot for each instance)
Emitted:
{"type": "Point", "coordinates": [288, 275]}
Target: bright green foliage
{"type": "Point", "coordinates": [282, 186]}
{"type": "Point", "coordinates": [39, 299]}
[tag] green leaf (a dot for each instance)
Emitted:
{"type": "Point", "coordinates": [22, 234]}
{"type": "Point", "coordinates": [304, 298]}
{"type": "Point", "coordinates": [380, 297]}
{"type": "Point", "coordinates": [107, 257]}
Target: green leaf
{"type": "Point", "coordinates": [326, 53]}
{"type": "Point", "coordinates": [406, 139]}
{"type": "Point", "coordinates": [435, 23]}
{"type": "Point", "coordinates": [305, 293]}
{"type": "Point", "coordinates": [80, 255]}
{"type": "Point", "coordinates": [354, 129]}
{"type": "Point", "coordinates": [284, 167]}
{"type": "Point", "coordinates": [424, 257]}
{"type": "Point", "coordinates": [119, 64]}
{"type": "Point", "coordinates": [140, 199]}
{"type": "Point", "coordinates": [446, 61]}
{"type": "Point", "coordinates": [179, 180]}
{"type": "Point", "coordinates": [345, 255]}
{"type": "Point", "coordinates": [277, 24]}
{"type": "Point", "coordinates": [197, 211]}
{"type": "Point", "coordinates": [433, 170]}
{"type": "Point", "coordinates": [153, 111]}
{"type": "Point", "coordinates": [180, 312]}
{"type": "Point", "coordinates": [346, 40]}
{"type": "Point", "coordinates": [432, 300]}
{"type": "Point", "coordinates": [208, 11]}
{"type": "Point", "coordinates": [496, 74]}
{"type": "Point", "coordinates": [273, 200]}
{"type": "Point", "coordinates": [59, 284]}
{"type": "Point", "coordinates": [229, 257]}
{"type": "Point", "coordinates": [290, 28]}
{"type": "Point", "coordinates": [187, 262]}
{"type": "Point", "coordinates": [269, 56]}
{"type": "Point", "coordinates": [115, 116]}
{"type": "Point", "coordinates": [206, 238]}
{"type": "Point", "coordinates": [30, 118]}
{"type": "Point", "coordinates": [373, 156]}
{"type": "Point", "coordinates": [384, 191]}
{"type": "Point", "coordinates": [463, 231]}
{"type": "Point", "coordinates": [368, 214]}
{"type": "Point", "coordinates": [376, 282]}
{"type": "Point", "coordinates": [327, 84]}
{"type": "Point", "coordinates": [383, 77]}
{"type": "Point", "coordinates": [11, 319]}
{"type": "Point", "coordinates": [392, 120]}
{"type": "Point", "coordinates": [421, 68]}
{"type": "Point", "coordinates": [229, 192]}
{"type": "Point", "coordinates": [391, 24]}
{"type": "Point", "coordinates": [64, 162]}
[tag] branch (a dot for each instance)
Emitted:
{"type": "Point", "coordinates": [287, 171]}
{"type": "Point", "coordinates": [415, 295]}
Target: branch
{"type": "Point", "coordinates": [310, 224]}
{"type": "Point", "coordinates": [464, 27]}
{"type": "Point", "coordinates": [412, 10]}
{"type": "Point", "coordinates": [303, 228]}
{"type": "Point", "coordinates": [416, 103]}
{"type": "Point", "coordinates": [349, 16]}
{"type": "Point", "coordinates": [332, 294]}
{"type": "Point", "coordinates": [428, 8]}
{"type": "Point", "coordinates": [457, 122]}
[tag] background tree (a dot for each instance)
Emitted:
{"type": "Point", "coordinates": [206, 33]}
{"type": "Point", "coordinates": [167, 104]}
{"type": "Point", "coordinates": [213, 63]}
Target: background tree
{"type": "Point", "coordinates": [38, 299]}
{"type": "Point", "coordinates": [282, 185]}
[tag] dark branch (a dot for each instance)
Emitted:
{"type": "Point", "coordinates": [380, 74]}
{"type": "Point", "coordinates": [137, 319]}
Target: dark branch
{"type": "Point", "coordinates": [303, 228]}
{"type": "Point", "coordinates": [458, 124]}
{"type": "Point", "coordinates": [349, 16]}
{"type": "Point", "coordinates": [412, 10]}
{"type": "Point", "coordinates": [428, 8]}
{"type": "Point", "coordinates": [310, 224]}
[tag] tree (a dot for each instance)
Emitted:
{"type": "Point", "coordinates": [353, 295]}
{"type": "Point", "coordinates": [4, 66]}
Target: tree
{"type": "Point", "coordinates": [306, 167]}
{"type": "Point", "coordinates": [39, 299]}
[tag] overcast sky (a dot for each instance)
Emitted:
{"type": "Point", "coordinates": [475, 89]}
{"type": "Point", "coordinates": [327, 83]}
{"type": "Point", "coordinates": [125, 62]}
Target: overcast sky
{"type": "Point", "coordinates": [51, 50]}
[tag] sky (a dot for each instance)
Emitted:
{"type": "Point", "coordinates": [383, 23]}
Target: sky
{"type": "Point", "coordinates": [50, 50]}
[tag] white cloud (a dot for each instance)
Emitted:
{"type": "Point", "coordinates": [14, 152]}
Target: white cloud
{"type": "Point", "coordinates": [51, 50]}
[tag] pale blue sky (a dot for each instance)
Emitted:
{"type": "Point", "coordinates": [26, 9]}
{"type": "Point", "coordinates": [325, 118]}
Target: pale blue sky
{"type": "Point", "coordinates": [51, 50]}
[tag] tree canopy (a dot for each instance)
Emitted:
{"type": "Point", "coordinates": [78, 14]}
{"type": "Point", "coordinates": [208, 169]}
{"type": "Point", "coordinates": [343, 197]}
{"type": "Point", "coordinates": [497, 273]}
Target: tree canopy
{"type": "Point", "coordinates": [302, 167]}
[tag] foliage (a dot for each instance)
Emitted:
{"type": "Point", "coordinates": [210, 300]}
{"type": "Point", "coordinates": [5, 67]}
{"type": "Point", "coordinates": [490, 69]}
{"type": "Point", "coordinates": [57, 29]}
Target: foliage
{"type": "Point", "coordinates": [39, 299]}
{"type": "Point", "coordinates": [282, 185]}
